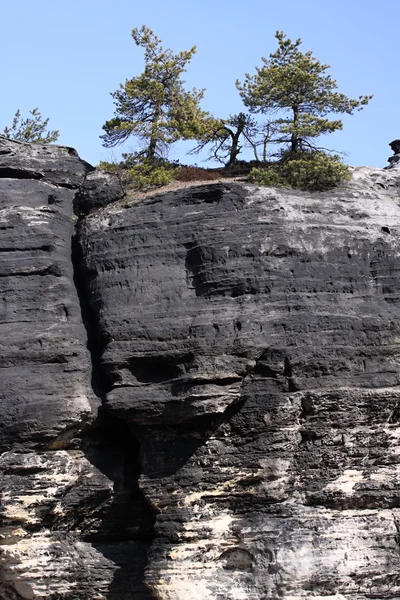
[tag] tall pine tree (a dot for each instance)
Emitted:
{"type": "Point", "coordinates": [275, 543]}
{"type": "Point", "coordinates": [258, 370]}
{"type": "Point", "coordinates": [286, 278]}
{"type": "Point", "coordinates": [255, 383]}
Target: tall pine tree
{"type": "Point", "coordinates": [154, 107]}
{"type": "Point", "coordinates": [296, 89]}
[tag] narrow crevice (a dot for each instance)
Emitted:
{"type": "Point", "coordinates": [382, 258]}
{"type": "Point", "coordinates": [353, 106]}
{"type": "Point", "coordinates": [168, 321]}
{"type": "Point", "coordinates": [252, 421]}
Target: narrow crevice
{"type": "Point", "coordinates": [114, 450]}
{"type": "Point", "coordinates": [127, 526]}
{"type": "Point", "coordinates": [99, 380]}
{"type": "Point", "coordinates": [13, 173]}
{"type": "Point", "coordinates": [126, 531]}
{"type": "Point", "coordinates": [16, 173]}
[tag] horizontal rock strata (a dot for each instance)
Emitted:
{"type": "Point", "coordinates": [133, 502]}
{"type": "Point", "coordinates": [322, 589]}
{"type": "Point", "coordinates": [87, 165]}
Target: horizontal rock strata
{"type": "Point", "coordinates": [45, 368]}
{"type": "Point", "coordinates": [222, 360]}
{"type": "Point", "coordinates": [251, 340]}
{"type": "Point", "coordinates": [73, 523]}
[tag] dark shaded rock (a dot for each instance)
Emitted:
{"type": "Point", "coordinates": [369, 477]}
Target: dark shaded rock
{"type": "Point", "coordinates": [73, 522]}
{"type": "Point", "coordinates": [45, 391]}
{"type": "Point", "coordinates": [244, 343]}
{"type": "Point", "coordinates": [188, 383]}
{"type": "Point", "coordinates": [393, 160]}
{"type": "Point", "coordinates": [250, 338]}
{"type": "Point", "coordinates": [395, 146]}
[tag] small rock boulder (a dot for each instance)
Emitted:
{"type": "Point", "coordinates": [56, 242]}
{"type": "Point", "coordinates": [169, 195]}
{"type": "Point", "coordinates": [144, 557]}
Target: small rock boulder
{"type": "Point", "coordinates": [394, 160]}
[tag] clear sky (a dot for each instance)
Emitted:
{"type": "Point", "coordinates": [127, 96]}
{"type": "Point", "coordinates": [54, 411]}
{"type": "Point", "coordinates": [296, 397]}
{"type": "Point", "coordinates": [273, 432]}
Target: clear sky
{"type": "Point", "coordinates": [66, 57]}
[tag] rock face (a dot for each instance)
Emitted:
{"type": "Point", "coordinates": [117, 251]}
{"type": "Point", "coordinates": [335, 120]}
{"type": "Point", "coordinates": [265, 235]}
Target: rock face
{"type": "Point", "coordinates": [73, 523]}
{"type": "Point", "coordinates": [45, 388]}
{"type": "Point", "coordinates": [244, 345]}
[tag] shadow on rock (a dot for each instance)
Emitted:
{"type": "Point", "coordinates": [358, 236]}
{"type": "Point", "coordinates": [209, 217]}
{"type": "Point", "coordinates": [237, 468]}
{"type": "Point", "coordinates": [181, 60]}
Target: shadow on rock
{"type": "Point", "coordinates": [125, 525]}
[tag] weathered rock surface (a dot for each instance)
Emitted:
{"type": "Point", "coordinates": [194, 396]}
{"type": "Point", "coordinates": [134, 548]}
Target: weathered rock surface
{"type": "Point", "coordinates": [59, 165]}
{"type": "Point", "coordinates": [99, 190]}
{"type": "Point", "coordinates": [70, 530]}
{"type": "Point", "coordinates": [45, 390]}
{"type": "Point", "coordinates": [251, 339]}
{"type": "Point", "coordinates": [73, 523]}
{"type": "Point", "coordinates": [245, 346]}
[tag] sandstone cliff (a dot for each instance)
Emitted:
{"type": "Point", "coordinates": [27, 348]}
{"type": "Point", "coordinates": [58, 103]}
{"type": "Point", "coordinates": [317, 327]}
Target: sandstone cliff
{"type": "Point", "coordinates": [199, 392]}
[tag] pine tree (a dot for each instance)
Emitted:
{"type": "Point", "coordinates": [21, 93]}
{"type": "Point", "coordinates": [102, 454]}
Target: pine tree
{"type": "Point", "coordinates": [154, 107]}
{"type": "Point", "coordinates": [296, 88]}
{"type": "Point", "coordinates": [32, 129]}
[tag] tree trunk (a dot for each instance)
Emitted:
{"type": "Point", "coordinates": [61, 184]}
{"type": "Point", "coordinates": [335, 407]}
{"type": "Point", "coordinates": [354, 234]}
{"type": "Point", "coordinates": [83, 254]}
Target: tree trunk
{"type": "Point", "coordinates": [255, 152]}
{"type": "Point", "coordinates": [154, 135]}
{"type": "Point", "coordinates": [294, 140]}
{"type": "Point", "coordinates": [265, 143]}
{"type": "Point", "coordinates": [235, 149]}
{"type": "Point", "coordinates": [151, 150]}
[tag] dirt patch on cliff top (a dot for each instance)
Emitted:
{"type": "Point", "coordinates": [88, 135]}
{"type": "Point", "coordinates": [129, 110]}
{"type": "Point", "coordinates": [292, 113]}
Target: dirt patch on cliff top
{"type": "Point", "coordinates": [135, 195]}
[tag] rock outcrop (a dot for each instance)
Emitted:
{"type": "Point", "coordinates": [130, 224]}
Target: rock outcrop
{"type": "Point", "coordinates": [394, 160]}
{"type": "Point", "coordinates": [218, 415]}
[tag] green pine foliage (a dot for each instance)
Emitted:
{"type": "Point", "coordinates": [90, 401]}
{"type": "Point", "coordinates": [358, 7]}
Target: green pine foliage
{"type": "Point", "coordinates": [296, 89]}
{"type": "Point", "coordinates": [142, 174]}
{"type": "Point", "coordinates": [293, 89]}
{"type": "Point", "coordinates": [292, 100]}
{"type": "Point", "coordinates": [305, 170]}
{"type": "Point", "coordinates": [154, 107]}
{"type": "Point", "coordinates": [148, 175]}
{"type": "Point", "coordinates": [33, 129]}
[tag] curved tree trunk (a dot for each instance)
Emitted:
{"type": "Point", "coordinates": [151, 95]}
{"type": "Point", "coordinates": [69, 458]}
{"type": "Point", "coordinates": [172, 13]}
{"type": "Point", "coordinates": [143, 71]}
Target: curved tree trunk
{"type": "Point", "coordinates": [235, 148]}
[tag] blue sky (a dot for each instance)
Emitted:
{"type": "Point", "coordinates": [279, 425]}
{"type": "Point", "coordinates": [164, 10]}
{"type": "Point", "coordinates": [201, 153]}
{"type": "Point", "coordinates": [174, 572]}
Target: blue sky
{"type": "Point", "coordinates": [66, 58]}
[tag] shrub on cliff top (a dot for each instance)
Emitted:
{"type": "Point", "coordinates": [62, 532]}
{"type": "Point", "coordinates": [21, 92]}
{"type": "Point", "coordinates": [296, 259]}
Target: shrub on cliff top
{"type": "Point", "coordinates": [142, 175]}
{"type": "Point", "coordinates": [148, 174]}
{"type": "Point", "coordinates": [304, 170]}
